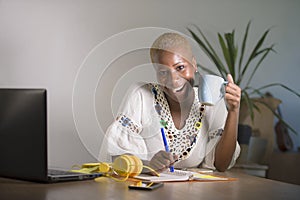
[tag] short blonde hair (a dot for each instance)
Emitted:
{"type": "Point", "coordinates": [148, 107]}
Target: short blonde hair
{"type": "Point", "coordinates": [171, 42]}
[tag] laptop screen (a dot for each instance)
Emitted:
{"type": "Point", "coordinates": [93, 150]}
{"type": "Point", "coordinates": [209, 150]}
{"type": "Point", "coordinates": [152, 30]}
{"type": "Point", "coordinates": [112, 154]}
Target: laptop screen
{"type": "Point", "coordinates": [23, 133]}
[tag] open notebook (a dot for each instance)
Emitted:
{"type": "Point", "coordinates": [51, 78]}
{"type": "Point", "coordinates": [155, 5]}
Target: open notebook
{"type": "Point", "coordinates": [180, 175]}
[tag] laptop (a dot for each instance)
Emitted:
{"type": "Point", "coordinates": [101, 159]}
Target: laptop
{"type": "Point", "coordinates": [23, 138]}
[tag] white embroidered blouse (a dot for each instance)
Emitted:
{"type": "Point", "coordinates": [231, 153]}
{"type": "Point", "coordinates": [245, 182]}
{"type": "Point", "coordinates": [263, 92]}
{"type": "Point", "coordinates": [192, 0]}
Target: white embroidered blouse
{"type": "Point", "coordinates": [137, 129]}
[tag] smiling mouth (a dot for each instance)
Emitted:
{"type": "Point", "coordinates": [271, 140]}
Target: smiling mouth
{"type": "Point", "coordinates": [178, 89]}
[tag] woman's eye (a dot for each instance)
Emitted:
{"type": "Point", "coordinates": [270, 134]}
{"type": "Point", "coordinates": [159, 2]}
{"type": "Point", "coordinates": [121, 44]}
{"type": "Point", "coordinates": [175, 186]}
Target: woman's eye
{"type": "Point", "coordinates": [180, 67]}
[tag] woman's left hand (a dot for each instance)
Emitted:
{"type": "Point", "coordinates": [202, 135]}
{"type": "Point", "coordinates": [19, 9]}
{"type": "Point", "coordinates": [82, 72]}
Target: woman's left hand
{"type": "Point", "coordinates": [232, 95]}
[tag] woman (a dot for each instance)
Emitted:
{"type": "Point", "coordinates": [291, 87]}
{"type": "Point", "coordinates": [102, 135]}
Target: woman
{"type": "Point", "coordinates": [198, 135]}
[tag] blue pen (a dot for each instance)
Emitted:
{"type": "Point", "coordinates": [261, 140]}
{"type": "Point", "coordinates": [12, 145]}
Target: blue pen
{"type": "Point", "coordinates": [166, 145]}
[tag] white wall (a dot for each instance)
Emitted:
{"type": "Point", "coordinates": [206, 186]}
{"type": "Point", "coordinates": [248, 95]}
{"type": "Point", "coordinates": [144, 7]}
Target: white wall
{"type": "Point", "coordinates": [58, 44]}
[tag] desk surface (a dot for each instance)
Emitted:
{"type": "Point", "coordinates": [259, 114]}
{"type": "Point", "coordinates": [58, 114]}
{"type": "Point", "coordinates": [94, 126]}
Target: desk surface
{"type": "Point", "coordinates": [245, 187]}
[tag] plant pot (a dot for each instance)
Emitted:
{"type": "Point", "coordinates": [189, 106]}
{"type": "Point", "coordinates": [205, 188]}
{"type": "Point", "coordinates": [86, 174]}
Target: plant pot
{"type": "Point", "coordinates": [244, 135]}
{"type": "Point", "coordinates": [263, 122]}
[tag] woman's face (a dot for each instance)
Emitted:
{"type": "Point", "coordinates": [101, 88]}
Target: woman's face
{"type": "Point", "coordinates": [176, 75]}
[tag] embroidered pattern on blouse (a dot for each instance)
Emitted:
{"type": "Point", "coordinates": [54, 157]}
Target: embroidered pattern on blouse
{"type": "Point", "coordinates": [128, 123]}
{"type": "Point", "coordinates": [181, 142]}
{"type": "Point", "coordinates": [215, 134]}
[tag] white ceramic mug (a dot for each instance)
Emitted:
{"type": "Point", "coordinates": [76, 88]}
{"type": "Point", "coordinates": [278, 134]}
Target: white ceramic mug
{"type": "Point", "coordinates": [211, 89]}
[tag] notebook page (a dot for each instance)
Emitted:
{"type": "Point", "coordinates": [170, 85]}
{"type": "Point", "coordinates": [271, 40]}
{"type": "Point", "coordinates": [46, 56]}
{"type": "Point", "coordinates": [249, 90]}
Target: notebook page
{"type": "Point", "coordinates": [177, 175]}
{"type": "Point", "coordinates": [180, 175]}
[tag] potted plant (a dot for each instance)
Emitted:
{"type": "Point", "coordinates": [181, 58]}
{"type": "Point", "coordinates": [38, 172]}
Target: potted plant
{"type": "Point", "coordinates": [242, 70]}
{"type": "Point", "coordinates": [232, 60]}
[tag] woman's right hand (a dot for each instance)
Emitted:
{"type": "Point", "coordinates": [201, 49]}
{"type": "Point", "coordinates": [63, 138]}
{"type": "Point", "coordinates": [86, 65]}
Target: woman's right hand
{"type": "Point", "coordinates": [162, 160]}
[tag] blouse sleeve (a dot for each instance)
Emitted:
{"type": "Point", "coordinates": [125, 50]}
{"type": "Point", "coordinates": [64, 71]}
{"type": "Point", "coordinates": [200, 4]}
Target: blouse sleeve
{"type": "Point", "coordinates": [217, 116]}
{"type": "Point", "coordinates": [123, 135]}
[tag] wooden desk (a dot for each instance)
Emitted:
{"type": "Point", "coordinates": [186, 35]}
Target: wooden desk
{"type": "Point", "coordinates": [284, 166]}
{"type": "Point", "coordinates": [246, 187]}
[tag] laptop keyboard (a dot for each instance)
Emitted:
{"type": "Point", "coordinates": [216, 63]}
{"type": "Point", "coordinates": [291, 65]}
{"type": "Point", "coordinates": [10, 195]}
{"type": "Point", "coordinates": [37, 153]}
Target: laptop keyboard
{"type": "Point", "coordinates": [59, 172]}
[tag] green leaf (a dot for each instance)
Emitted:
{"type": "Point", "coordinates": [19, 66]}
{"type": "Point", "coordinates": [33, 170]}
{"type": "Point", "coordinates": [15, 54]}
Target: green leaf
{"type": "Point", "coordinates": [231, 50]}
{"type": "Point", "coordinates": [279, 117]}
{"type": "Point", "coordinates": [267, 50]}
{"type": "Point", "coordinates": [254, 53]}
{"type": "Point", "coordinates": [244, 67]}
{"type": "Point", "coordinates": [224, 50]}
{"type": "Point", "coordinates": [249, 104]}
{"type": "Point", "coordinates": [203, 68]}
{"type": "Point", "coordinates": [254, 91]}
{"type": "Point", "coordinates": [208, 50]}
{"type": "Point", "coordinates": [281, 85]}
{"type": "Point", "coordinates": [243, 47]}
